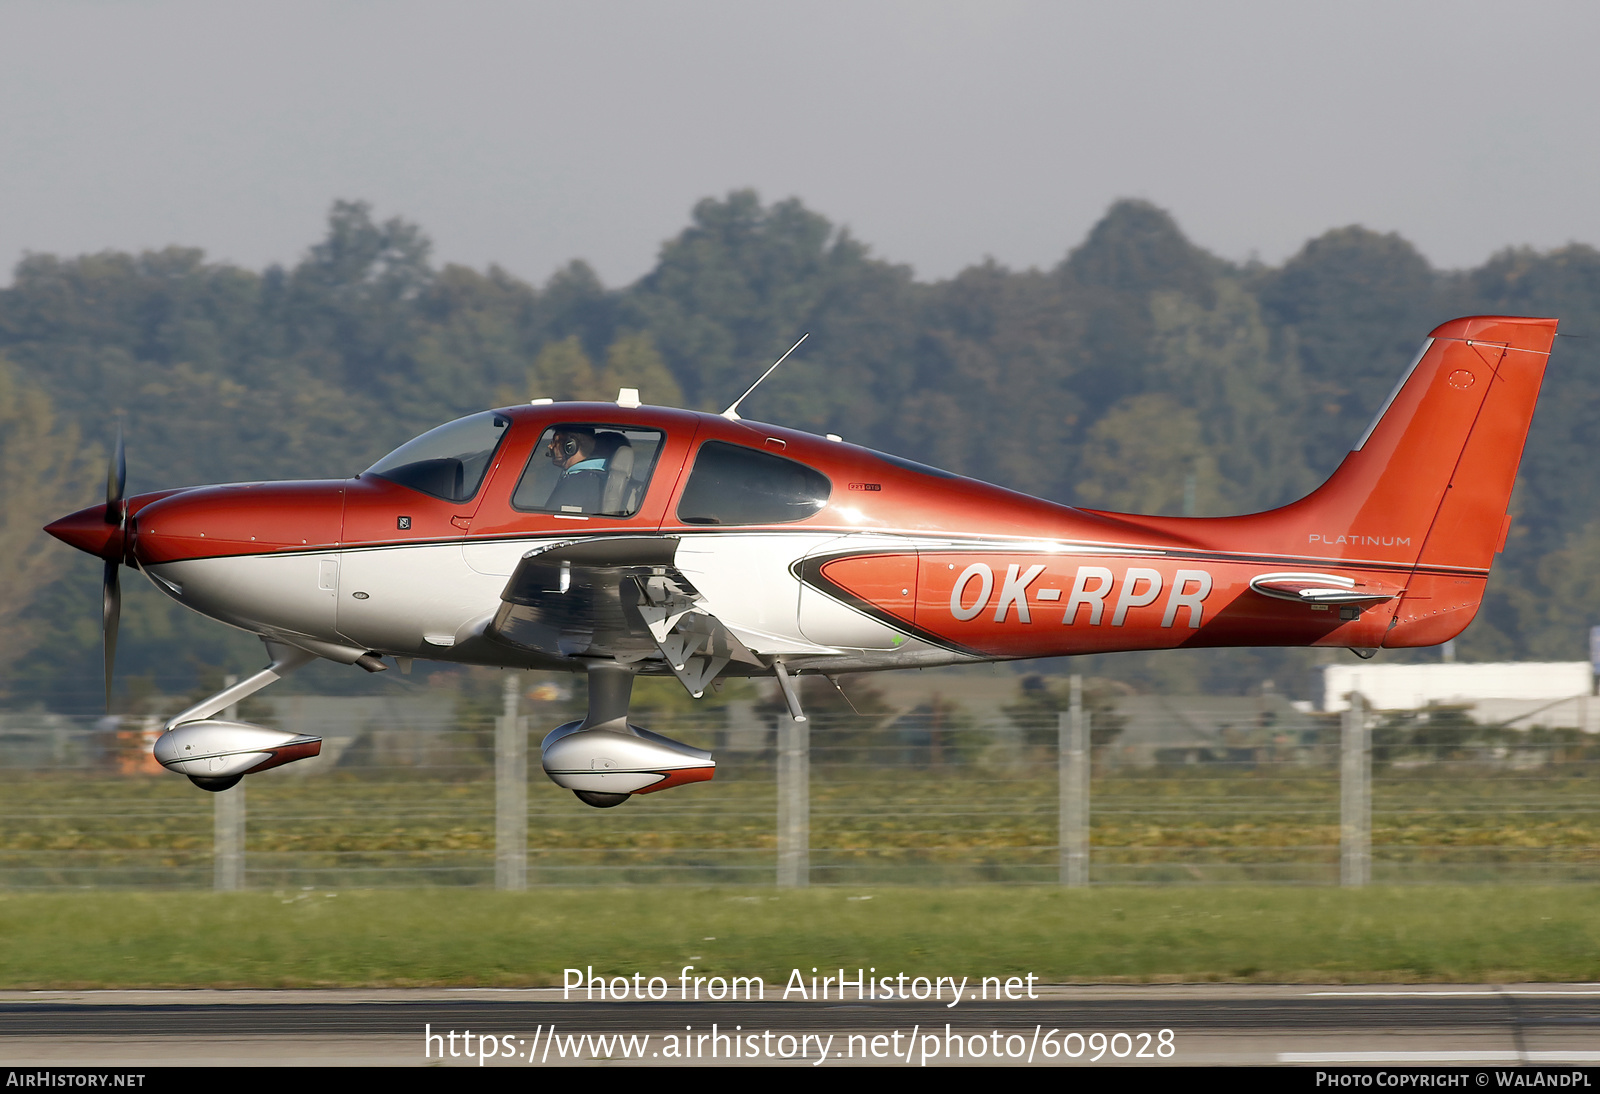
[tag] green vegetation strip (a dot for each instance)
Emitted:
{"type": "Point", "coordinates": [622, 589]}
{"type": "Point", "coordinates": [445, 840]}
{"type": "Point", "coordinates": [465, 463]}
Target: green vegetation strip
{"type": "Point", "coordinates": [465, 938]}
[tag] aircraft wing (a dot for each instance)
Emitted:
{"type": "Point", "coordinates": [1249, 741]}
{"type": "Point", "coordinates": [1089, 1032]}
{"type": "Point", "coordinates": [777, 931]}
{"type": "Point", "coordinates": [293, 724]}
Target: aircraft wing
{"type": "Point", "coordinates": [618, 597]}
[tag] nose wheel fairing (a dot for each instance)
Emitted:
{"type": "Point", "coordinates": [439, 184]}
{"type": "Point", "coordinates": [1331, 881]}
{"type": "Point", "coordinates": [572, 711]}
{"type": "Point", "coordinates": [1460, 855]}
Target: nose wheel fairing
{"type": "Point", "coordinates": [215, 754]}
{"type": "Point", "coordinates": [215, 749]}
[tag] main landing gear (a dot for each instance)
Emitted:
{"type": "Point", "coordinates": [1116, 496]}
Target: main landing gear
{"type": "Point", "coordinates": [605, 761]}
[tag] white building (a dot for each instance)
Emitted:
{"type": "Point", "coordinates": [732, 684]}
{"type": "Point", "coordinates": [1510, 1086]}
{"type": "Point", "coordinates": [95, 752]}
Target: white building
{"type": "Point", "coordinates": [1519, 693]}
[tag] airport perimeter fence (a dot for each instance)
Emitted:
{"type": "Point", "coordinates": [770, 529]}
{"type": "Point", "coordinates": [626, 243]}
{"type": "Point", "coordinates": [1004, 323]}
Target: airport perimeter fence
{"type": "Point", "coordinates": [913, 802]}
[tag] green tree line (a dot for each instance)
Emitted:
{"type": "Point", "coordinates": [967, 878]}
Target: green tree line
{"type": "Point", "coordinates": [1140, 373]}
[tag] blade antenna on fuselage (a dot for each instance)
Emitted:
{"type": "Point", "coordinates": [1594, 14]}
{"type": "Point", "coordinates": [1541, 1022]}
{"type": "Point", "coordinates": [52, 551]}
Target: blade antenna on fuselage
{"type": "Point", "coordinates": [732, 413]}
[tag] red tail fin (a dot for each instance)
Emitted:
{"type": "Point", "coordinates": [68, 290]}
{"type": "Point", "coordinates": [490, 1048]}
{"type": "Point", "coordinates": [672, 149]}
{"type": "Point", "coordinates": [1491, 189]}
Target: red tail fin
{"type": "Point", "coordinates": [1430, 482]}
{"type": "Point", "coordinates": [1426, 489]}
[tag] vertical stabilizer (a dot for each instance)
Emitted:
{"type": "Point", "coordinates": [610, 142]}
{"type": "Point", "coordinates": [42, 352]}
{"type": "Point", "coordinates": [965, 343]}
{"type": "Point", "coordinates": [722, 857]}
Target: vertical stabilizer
{"type": "Point", "coordinates": [1431, 480]}
{"type": "Point", "coordinates": [1424, 493]}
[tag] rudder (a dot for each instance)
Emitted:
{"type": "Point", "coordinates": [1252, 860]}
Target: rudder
{"type": "Point", "coordinates": [1429, 482]}
{"type": "Point", "coordinates": [1433, 475]}
{"type": "Point", "coordinates": [1423, 495]}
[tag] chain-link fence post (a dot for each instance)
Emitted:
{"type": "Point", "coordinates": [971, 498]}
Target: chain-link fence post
{"type": "Point", "coordinates": [510, 791]}
{"type": "Point", "coordinates": [227, 825]}
{"type": "Point", "coordinates": [794, 803]}
{"type": "Point", "coordinates": [1355, 795]}
{"type": "Point", "coordinates": [1072, 732]}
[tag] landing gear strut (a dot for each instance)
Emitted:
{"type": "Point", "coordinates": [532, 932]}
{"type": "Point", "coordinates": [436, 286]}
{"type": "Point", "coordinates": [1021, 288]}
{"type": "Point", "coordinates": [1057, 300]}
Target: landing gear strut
{"type": "Point", "coordinates": [216, 754]}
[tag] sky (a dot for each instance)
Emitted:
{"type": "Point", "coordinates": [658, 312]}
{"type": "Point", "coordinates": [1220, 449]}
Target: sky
{"type": "Point", "coordinates": [528, 134]}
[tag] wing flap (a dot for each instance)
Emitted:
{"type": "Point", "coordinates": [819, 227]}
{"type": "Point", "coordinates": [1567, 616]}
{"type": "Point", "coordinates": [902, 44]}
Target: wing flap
{"type": "Point", "coordinates": [621, 598]}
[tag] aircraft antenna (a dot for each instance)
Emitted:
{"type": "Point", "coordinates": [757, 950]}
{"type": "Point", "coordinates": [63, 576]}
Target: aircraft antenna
{"type": "Point", "coordinates": [732, 413]}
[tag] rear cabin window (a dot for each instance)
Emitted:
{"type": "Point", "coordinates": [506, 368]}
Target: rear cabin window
{"type": "Point", "coordinates": [731, 484]}
{"type": "Point", "coordinates": [582, 468]}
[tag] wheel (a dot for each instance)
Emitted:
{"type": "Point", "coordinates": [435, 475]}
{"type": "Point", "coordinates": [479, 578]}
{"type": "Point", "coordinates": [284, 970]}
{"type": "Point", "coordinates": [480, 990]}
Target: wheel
{"type": "Point", "coordinates": [599, 798]}
{"type": "Point", "coordinates": [216, 786]}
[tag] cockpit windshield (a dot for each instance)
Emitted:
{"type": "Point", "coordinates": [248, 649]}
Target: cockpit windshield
{"type": "Point", "coordinates": [448, 462]}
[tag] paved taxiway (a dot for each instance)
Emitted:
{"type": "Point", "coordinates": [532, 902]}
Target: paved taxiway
{"type": "Point", "coordinates": [1472, 1026]}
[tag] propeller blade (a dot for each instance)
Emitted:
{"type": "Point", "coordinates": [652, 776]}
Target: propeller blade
{"type": "Point", "coordinates": [116, 479]}
{"type": "Point", "coordinates": [110, 613]}
{"type": "Point", "coordinates": [111, 587]}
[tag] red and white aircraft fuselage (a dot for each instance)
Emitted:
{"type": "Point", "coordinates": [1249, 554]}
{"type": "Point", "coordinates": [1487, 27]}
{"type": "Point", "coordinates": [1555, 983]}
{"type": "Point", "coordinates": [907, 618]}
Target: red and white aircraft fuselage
{"type": "Point", "coordinates": [625, 539]}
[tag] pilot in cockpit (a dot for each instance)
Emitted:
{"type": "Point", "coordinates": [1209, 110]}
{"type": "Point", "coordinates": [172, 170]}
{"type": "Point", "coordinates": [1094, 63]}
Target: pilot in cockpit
{"type": "Point", "coordinates": [595, 471]}
{"type": "Point", "coordinates": [583, 473]}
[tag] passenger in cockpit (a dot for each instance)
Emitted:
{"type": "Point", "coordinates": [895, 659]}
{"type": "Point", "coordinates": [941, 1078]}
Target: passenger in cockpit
{"type": "Point", "coordinates": [583, 473]}
{"type": "Point", "coordinates": [617, 496]}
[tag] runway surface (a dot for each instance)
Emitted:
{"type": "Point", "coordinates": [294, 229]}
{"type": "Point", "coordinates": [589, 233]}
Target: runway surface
{"type": "Point", "coordinates": [1459, 1025]}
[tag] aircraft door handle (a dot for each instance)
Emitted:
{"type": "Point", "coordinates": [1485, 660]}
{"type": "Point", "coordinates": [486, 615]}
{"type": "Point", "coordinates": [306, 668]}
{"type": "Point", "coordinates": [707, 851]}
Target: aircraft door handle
{"type": "Point", "coordinates": [462, 523]}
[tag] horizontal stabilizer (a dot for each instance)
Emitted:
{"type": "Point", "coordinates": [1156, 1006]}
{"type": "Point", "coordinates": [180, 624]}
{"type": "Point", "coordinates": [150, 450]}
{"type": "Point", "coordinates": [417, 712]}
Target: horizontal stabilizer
{"type": "Point", "coordinates": [1322, 589]}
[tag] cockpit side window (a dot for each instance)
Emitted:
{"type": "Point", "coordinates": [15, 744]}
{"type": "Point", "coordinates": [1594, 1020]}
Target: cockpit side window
{"type": "Point", "coordinates": [448, 462]}
{"type": "Point", "coordinates": [584, 468]}
{"type": "Point", "coordinates": [731, 484]}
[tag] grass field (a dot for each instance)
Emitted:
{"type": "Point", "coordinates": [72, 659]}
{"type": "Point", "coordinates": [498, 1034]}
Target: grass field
{"type": "Point", "coordinates": [923, 825]}
{"type": "Point", "coordinates": [442, 937]}
{"type": "Point", "coordinates": [378, 879]}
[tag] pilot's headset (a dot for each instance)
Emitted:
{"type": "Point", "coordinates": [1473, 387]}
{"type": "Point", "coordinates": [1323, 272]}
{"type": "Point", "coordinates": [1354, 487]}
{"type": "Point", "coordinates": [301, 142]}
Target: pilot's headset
{"type": "Point", "coordinates": [566, 444]}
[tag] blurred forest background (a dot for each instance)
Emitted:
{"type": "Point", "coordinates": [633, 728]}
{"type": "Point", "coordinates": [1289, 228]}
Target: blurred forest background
{"type": "Point", "coordinates": [1141, 373]}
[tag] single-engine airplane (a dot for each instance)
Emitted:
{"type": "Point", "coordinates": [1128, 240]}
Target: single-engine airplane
{"type": "Point", "coordinates": [617, 539]}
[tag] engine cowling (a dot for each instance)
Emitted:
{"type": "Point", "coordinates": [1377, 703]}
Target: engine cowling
{"type": "Point", "coordinates": [605, 766]}
{"type": "Point", "coordinates": [217, 754]}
